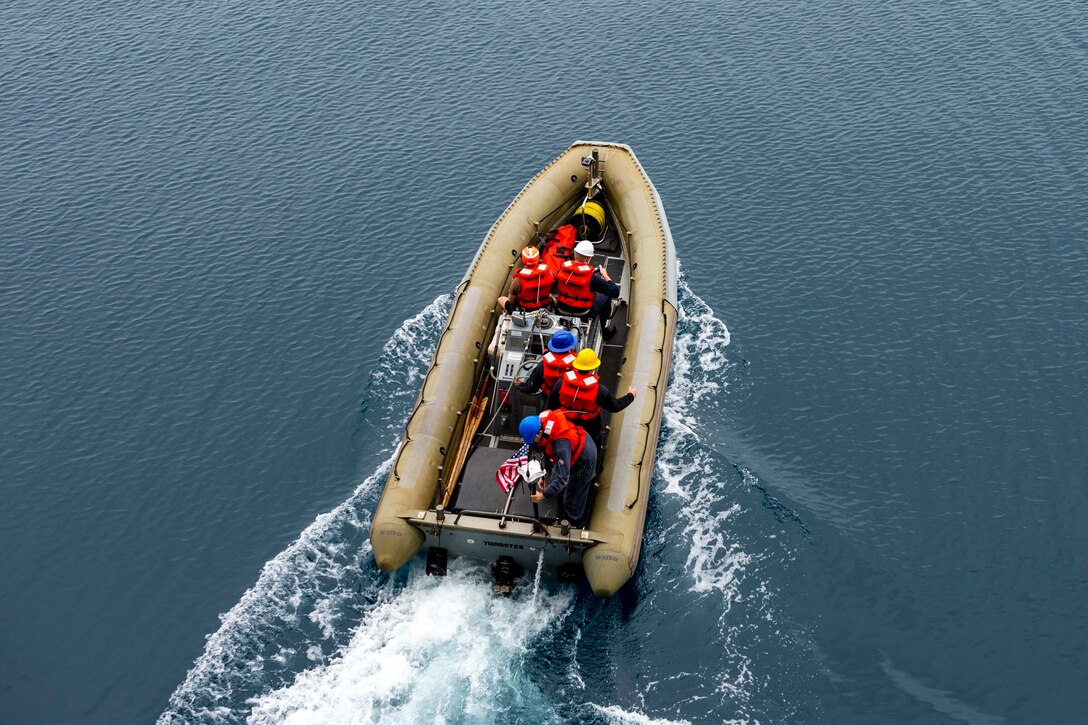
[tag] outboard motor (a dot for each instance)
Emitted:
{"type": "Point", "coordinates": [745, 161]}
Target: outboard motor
{"type": "Point", "coordinates": [505, 571]}
{"type": "Point", "coordinates": [569, 573]}
{"type": "Point", "coordinates": [436, 561]}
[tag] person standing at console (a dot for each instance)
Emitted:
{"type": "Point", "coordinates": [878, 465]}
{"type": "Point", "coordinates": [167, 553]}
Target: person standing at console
{"type": "Point", "coordinates": [581, 395]}
{"type": "Point", "coordinates": [553, 364]}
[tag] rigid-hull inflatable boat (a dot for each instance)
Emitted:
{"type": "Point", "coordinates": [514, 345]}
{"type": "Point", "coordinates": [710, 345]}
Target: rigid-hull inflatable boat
{"type": "Point", "coordinates": [442, 495]}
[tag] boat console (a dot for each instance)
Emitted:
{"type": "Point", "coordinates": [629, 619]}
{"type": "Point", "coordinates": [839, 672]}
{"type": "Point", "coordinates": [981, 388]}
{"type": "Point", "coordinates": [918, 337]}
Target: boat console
{"type": "Point", "coordinates": [521, 339]}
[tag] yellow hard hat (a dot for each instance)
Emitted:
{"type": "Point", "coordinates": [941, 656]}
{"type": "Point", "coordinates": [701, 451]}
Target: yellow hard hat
{"type": "Point", "coordinates": [586, 360]}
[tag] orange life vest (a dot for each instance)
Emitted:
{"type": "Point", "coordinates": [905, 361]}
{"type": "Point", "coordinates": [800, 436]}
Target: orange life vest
{"type": "Point", "coordinates": [555, 426]}
{"type": "Point", "coordinates": [578, 395]}
{"type": "Point", "coordinates": [536, 286]}
{"type": "Point", "coordinates": [554, 367]}
{"type": "Point", "coordinates": [573, 285]}
{"type": "Point", "coordinates": [559, 247]}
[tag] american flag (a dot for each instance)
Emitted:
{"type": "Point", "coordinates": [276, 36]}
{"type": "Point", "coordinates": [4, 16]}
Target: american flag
{"type": "Point", "coordinates": [507, 475]}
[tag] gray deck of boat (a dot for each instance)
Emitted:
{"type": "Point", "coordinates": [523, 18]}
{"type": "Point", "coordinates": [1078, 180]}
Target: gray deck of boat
{"type": "Point", "coordinates": [484, 494]}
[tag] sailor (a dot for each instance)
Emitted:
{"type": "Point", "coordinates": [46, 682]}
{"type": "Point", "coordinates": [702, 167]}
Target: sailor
{"type": "Point", "coordinates": [584, 291]}
{"type": "Point", "coordinates": [581, 395]}
{"type": "Point", "coordinates": [574, 462]}
{"type": "Point", "coordinates": [552, 365]}
{"type": "Point", "coordinates": [532, 285]}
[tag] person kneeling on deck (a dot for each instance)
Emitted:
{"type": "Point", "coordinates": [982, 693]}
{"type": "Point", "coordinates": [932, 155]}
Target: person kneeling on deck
{"type": "Point", "coordinates": [532, 285]}
{"type": "Point", "coordinates": [552, 366]}
{"type": "Point", "coordinates": [581, 395]}
{"type": "Point", "coordinates": [584, 291]}
{"type": "Point", "coordinates": [574, 462]}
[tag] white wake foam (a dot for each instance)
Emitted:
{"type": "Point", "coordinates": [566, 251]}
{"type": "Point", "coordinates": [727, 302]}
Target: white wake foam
{"type": "Point", "coordinates": [442, 649]}
{"type": "Point", "coordinates": [295, 613]}
{"type": "Point", "coordinates": [706, 485]}
{"type": "Point", "coordinates": [692, 471]}
{"type": "Point", "coordinates": [619, 716]}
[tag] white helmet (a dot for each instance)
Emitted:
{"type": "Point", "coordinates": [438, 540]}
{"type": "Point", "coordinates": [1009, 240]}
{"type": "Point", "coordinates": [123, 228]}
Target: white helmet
{"type": "Point", "coordinates": [584, 248]}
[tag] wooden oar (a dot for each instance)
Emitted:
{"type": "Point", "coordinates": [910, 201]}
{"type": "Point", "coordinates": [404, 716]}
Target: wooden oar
{"type": "Point", "coordinates": [475, 415]}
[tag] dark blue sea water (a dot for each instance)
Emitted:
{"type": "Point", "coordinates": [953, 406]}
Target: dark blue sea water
{"type": "Point", "coordinates": [228, 232]}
